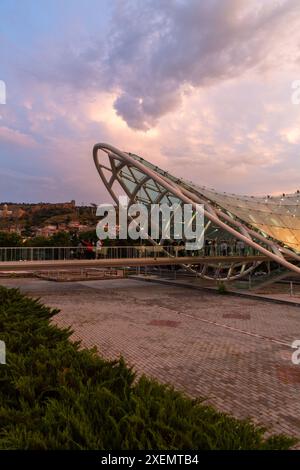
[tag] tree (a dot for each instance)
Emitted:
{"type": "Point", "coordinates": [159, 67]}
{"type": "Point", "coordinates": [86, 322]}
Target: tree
{"type": "Point", "coordinates": [38, 241]}
{"type": "Point", "coordinates": [89, 235]}
{"type": "Point", "coordinates": [10, 239]}
{"type": "Point", "coordinates": [61, 239]}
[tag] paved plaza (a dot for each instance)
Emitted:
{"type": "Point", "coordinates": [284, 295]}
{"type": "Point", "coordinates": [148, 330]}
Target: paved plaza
{"type": "Point", "coordinates": [233, 351]}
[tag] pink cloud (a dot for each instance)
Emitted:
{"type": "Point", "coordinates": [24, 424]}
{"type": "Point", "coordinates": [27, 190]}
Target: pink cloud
{"type": "Point", "coordinates": [16, 137]}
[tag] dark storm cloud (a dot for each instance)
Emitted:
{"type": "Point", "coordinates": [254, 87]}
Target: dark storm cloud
{"type": "Point", "coordinates": [152, 51]}
{"type": "Point", "coordinates": [156, 48]}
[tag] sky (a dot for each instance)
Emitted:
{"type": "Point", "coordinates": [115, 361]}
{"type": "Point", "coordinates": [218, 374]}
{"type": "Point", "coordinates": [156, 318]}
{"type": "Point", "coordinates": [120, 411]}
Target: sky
{"type": "Point", "coordinates": [201, 88]}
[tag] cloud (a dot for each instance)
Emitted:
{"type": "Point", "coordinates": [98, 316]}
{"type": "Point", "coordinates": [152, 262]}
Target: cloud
{"type": "Point", "coordinates": [201, 88]}
{"type": "Point", "coordinates": [291, 135]}
{"type": "Point", "coordinates": [157, 49]}
{"type": "Point", "coordinates": [15, 137]}
{"type": "Point", "coordinates": [154, 52]}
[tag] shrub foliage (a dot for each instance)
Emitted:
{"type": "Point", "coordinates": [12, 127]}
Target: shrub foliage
{"type": "Point", "coordinates": [56, 395]}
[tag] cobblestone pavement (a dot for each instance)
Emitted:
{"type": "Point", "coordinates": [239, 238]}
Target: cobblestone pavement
{"type": "Point", "coordinates": [235, 352]}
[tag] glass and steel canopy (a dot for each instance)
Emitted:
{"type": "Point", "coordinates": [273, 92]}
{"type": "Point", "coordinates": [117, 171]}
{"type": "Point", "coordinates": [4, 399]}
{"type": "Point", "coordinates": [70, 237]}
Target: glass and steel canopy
{"type": "Point", "coordinates": [274, 216]}
{"type": "Point", "coordinates": [268, 224]}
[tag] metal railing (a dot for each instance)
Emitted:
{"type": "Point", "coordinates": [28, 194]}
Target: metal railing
{"type": "Point", "coordinates": [114, 252]}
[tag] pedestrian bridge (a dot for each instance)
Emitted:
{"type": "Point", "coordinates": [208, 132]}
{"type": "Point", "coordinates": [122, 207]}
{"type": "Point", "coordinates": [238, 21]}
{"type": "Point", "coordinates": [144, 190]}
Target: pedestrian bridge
{"type": "Point", "coordinates": [207, 263]}
{"type": "Point", "coordinates": [121, 262]}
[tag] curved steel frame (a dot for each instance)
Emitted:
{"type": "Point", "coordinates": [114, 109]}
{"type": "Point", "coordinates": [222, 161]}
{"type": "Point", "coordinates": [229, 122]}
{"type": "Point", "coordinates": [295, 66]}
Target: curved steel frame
{"type": "Point", "coordinates": [167, 186]}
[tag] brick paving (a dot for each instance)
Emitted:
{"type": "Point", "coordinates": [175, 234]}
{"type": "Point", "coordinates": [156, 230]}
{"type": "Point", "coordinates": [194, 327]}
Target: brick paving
{"type": "Point", "coordinates": [235, 352]}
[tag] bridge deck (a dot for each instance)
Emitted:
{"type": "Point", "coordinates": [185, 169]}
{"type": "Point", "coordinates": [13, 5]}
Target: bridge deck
{"type": "Point", "coordinates": [121, 262]}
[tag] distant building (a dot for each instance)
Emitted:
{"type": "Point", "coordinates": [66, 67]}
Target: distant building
{"type": "Point", "coordinates": [76, 225]}
{"type": "Point", "coordinates": [5, 212]}
{"type": "Point", "coordinates": [15, 212]}
{"type": "Point", "coordinates": [12, 229]}
{"type": "Point", "coordinates": [20, 213]}
{"type": "Point", "coordinates": [47, 231]}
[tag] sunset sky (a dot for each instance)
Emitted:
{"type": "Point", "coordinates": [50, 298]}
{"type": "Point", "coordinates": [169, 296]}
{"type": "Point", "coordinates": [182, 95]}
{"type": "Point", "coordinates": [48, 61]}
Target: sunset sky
{"type": "Point", "coordinates": [200, 87]}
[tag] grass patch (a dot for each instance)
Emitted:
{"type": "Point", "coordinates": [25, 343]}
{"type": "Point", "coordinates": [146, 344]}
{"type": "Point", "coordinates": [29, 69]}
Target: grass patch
{"type": "Point", "coordinates": [54, 395]}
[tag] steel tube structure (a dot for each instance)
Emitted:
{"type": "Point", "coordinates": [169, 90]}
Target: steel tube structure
{"type": "Point", "coordinates": [139, 179]}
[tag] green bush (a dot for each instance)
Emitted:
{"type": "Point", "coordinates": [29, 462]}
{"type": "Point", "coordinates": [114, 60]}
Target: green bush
{"type": "Point", "coordinates": [10, 239]}
{"type": "Point", "coordinates": [222, 289]}
{"type": "Point", "coordinates": [54, 395]}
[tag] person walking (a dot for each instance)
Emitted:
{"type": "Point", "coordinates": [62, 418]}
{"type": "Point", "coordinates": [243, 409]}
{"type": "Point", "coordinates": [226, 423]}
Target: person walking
{"type": "Point", "coordinates": [99, 246]}
{"type": "Point", "coordinates": [89, 249]}
{"type": "Point", "coordinates": [240, 245]}
{"type": "Point", "coordinates": [224, 248]}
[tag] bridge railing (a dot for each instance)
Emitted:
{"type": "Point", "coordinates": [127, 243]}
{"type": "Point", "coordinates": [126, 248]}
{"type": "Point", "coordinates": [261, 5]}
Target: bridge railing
{"type": "Point", "coordinates": [113, 252]}
{"type": "Point", "coordinates": [82, 252]}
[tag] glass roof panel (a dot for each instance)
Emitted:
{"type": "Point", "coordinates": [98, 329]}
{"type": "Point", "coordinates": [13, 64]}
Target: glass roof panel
{"type": "Point", "coordinates": [277, 216]}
